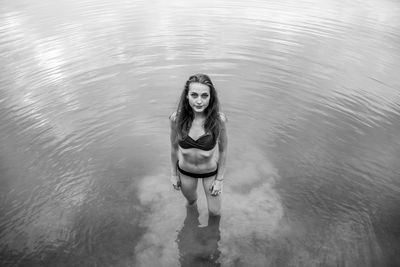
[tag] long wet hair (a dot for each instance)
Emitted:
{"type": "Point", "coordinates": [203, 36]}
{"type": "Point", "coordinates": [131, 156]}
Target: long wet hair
{"type": "Point", "coordinates": [185, 114]}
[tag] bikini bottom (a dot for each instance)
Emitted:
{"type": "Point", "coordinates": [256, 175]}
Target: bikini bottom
{"type": "Point", "coordinates": [196, 175]}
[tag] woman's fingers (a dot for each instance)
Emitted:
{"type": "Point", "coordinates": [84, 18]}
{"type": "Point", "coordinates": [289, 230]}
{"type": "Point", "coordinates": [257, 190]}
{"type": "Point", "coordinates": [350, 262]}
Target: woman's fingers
{"type": "Point", "coordinates": [176, 184]}
{"type": "Point", "coordinates": [215, 191]}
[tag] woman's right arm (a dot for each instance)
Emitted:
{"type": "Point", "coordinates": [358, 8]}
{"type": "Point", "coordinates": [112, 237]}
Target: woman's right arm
{"type": "Point", "coordinates": [174, 152]}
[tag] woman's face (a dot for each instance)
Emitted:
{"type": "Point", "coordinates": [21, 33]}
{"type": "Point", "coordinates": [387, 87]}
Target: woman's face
{"type": "Point", "coordinates": [198, 96]}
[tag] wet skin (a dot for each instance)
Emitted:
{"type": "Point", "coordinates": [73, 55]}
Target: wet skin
{"type": "Point", "coordinates": [196, 160]}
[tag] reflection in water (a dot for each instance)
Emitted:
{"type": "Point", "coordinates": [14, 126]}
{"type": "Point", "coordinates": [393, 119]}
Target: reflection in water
{"type": "Point", "coordinates": [251, 212]}
{"type": "Point", "coordinates": [198, 246]}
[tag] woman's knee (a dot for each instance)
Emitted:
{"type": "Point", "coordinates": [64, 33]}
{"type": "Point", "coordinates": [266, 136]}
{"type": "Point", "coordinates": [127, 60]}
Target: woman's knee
{"type": "Point", "coordinates": [214, 210]}
{"type": "Point", "coordinates": [192, 202]}
{"type": "Point", "coordinates": [190, 195]}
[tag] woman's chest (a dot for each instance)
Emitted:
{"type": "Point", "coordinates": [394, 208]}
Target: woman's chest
{"type": "Point", "coordinates": [196, 131]}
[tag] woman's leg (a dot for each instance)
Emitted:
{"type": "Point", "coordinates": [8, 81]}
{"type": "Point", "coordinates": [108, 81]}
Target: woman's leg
{"type": "Point", "coordinates": [213, 202]}
{"type": "Point", "coordinates": [189, 188]}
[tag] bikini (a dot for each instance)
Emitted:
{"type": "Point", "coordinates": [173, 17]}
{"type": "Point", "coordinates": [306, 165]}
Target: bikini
{"type": "Point", "coordinates": [205, 142]}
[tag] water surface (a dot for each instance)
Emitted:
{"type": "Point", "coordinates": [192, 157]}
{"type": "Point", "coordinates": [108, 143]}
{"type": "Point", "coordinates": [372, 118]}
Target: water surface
{"type": "Point", "coordinates": [311, 92]}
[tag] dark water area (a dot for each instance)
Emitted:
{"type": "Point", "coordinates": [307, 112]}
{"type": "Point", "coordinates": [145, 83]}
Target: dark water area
{"type": "Point", "coordinates": [312, 95]}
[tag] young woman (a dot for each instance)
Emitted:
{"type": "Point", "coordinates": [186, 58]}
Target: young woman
{"type": "Point", "coordinates": [199, 143]}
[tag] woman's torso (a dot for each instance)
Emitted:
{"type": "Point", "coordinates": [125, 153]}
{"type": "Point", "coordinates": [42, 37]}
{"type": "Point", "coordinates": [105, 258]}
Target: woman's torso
{"type": "Point", "coordinates": [198, 152]}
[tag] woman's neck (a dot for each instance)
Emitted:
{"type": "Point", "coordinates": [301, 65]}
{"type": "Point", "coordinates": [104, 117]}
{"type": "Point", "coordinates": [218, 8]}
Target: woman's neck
{"type": "Point", "coordinates": [199, 116]}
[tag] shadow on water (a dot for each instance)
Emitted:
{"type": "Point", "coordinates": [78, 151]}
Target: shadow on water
{"type": "Point", "coordinates": [198, 246]}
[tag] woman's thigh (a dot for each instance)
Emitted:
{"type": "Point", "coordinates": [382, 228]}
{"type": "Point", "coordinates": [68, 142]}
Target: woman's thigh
{"type": "Point", "coordinates": [189, 186]}
{"type": "Point", "coordinates": [214, 202]}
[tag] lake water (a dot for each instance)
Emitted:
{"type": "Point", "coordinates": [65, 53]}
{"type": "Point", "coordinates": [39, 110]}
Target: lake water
{"type": "Point", "coordinates": [311, 90]}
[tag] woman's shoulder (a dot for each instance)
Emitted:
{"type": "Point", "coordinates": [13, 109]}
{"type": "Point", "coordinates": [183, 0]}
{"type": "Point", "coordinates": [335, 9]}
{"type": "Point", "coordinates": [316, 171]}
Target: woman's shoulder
{"type": "Point", "coordinates": [173, 116]}
{"type": "Point", "coordinates": [223, 117]}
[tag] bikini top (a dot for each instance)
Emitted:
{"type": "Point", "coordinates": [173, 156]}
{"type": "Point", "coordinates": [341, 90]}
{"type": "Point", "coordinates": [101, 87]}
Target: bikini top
{"type": "Point", "coordinates": [205, 142]}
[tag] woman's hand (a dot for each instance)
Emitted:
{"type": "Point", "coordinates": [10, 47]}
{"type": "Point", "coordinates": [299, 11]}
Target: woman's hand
{"type": "Point", "coordinates": [176, 182]}
{"type": "Point", "coordinates": [216, 188]}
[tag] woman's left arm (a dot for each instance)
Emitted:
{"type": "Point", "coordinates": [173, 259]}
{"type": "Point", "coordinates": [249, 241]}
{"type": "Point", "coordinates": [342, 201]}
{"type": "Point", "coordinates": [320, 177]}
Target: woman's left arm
{"type": "Point", "coordinates": [222, 146]}
{"type": "Point", "coordinates": [217, 185]}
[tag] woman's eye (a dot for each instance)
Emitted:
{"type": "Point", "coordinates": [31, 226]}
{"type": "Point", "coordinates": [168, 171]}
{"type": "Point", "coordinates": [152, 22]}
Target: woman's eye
{"type": "Point", "coordinates": [204, 96]}
{"type": "Point", "coordinates": [193, 95]}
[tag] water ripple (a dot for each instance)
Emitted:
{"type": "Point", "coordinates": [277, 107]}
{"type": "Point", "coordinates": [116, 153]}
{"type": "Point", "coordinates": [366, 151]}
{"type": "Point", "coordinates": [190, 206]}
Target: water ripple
{"type": "Point", "coordinates": [85, 93]}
